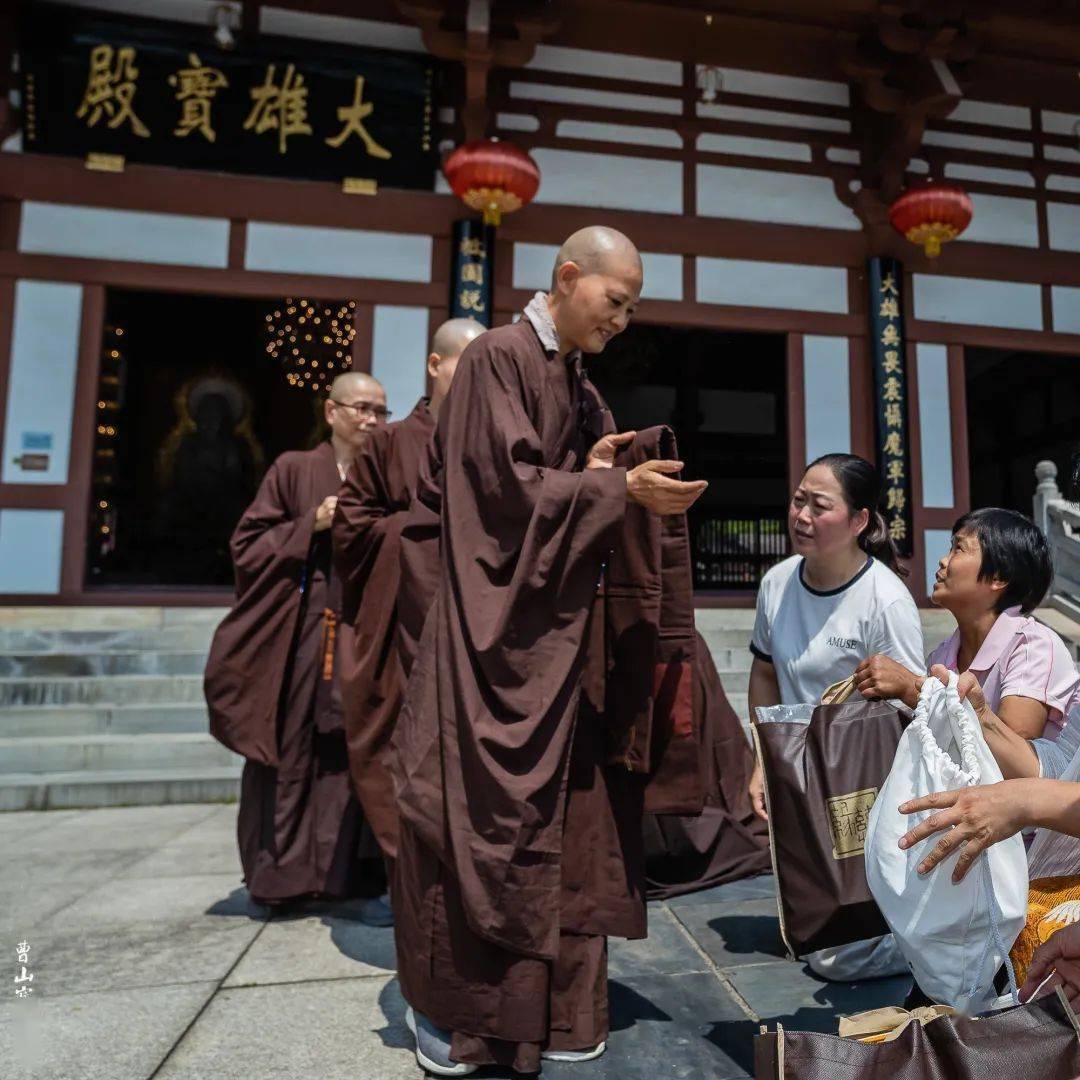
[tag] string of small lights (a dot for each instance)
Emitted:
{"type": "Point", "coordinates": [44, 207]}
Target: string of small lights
{"type": "Point", "coordinates": [311, 340]}
{"type": "Point", "coordinates": [110, 400]}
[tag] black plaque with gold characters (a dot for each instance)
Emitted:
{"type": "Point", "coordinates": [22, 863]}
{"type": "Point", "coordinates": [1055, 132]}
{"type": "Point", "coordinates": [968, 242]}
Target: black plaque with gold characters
{"type": "Point", "coordinates": [891, 397]}
{"type": "Point", "coordinates": [471, 269]}
{"type": "Point", "coordinates": [165, 94]}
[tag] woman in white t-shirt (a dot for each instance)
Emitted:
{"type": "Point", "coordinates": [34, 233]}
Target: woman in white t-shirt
{"type": "Point", "coordinates": [838, 600]}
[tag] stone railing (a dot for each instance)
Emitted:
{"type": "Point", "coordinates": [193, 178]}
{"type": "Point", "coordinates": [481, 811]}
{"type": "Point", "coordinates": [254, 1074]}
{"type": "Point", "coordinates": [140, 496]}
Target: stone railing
{"type": "Point", "coordinates": [1060, 520]}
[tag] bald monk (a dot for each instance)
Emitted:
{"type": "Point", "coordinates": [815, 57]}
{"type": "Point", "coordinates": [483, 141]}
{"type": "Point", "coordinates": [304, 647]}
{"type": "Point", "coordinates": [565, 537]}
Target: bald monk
{"type": "Point", "coordinates": [371, 510]}
{"type": "Point", "coordinates": [272, 680]}
{"type": "Point", "coordinates": [519, 851]}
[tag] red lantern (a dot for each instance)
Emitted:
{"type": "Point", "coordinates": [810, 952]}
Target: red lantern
{"type": "Point", "coordinates": [931, 215]}
{"type": "Point", "coordinates": [495, 177]}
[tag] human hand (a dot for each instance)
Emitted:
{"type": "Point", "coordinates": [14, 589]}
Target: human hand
{"type": "Point", "coordinates": [602, 455]}
{"type": "Point", "coordinates": [648, 485]}
{"type": "Point", "coordinates": [968, 687]}
{"type": "Point", "coordinates": [757, 792]}
{"type": "Point", "coordinates": [1058, 957]}
{"type": "Point", "coordinates": [324, 515]}
{"type": "Point", "coordinates": [975, 818]}
{"type": "Point", "coordinates": [881, 678]}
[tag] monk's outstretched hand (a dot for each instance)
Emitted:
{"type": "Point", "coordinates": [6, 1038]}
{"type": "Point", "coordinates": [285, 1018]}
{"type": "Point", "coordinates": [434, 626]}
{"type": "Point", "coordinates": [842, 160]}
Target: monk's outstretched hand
{"type": "Point", "coordinates": [602, 455]}
{"type": "Point", "coordinates": [324, 514]}
{"type": "Point", "coordinates": [649, 485]}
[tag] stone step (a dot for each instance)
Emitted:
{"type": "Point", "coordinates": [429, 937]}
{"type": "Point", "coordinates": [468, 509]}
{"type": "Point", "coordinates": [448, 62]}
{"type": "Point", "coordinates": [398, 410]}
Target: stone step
{"type": "Point", "coordinates": [123, 787]}
{"type": "Point", "coordinates": [194, 637]}
{"type": "Point", "coordinates": [101, 618]}
{"type": "Point", "coordinates": [108, 753]}
{"type": "Point", "coordinates": [142, 662]}
{"type": "Point", "coordinates": [102, 690]}
{"type": "Point", "coordinates": [34, 721]}
{"type": "Point", "coordinates": [726, 639]}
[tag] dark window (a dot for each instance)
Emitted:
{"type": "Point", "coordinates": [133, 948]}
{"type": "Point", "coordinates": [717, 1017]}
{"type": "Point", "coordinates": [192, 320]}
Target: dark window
{"type": "Point", "coordinates": [725, 396]}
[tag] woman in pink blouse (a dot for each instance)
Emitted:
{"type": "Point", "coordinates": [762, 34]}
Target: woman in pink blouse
{"type": "Point", "coordinates": [1016, 672]}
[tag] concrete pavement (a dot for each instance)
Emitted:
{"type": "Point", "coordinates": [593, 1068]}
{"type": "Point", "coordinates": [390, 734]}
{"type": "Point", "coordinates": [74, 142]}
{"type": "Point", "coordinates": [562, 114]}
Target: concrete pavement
{"type": "Point", "coordinates": [150, 961]}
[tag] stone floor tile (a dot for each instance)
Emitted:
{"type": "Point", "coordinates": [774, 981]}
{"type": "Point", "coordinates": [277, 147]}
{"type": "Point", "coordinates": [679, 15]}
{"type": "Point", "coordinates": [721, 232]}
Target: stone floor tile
{"type": "Point", "coordinates": [104, 1035]}
{"type": "Point", "coordinates": [789, 993]}
{"type": "Point", "coordinates": [351, 1029]}
{"type": "Point", "coordinates": [666, 951]}
{"type": "Point", "coordinates": [76, 960]}
{"type": "Point", "coordinates": [762, 887]}
{"type": "Point", "coordinates": [314, 947]}
{"type": "Point", "coordinates": [125, 900]}
{"type": "Point", "coordinates": [741, 932]}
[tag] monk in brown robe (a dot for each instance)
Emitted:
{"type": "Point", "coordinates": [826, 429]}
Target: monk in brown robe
{"type": "Point", "coordinates": [519, 850]}
{"type": "Point", "coordinates": [272, 679]}
{"type": "Point", "coordinates": [371, 510]}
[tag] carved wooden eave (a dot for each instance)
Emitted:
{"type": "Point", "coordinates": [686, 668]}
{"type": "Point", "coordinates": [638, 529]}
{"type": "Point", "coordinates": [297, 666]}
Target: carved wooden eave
{"type": "Point", "coordinates": [477, 48]}
{"type": "Point", "coordinates": [902, 70]}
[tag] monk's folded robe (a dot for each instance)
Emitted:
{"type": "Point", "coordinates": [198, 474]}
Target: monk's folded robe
{"type": "Point", "coordinates": [520, 846]}
{"type": "Point", "coordinates": [273, 694]}
{"type": "Point", "coordinates": [727, 840]}
{"type": "Point", "coordinates": [372, 509]}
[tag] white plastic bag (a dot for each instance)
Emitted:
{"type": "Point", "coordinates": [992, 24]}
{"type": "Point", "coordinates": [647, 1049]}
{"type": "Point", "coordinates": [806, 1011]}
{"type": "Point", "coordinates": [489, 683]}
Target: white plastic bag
{"type": "Point", "coordinates": [955, 937]}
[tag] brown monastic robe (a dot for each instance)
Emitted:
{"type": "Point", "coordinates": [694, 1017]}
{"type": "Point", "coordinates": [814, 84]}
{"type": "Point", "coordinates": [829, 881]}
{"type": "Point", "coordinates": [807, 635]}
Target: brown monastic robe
{"type": "Point", "coordinates": [727, 840]}
{"type": "Point", "coordinates": [520, 846]}
{"type": "Point", "coordinates": [371, 511]}
{"type": "Point", "coordinates": [274, 695]}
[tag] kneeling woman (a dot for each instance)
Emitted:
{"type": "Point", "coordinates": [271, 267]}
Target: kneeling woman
{"type": "Point", "coordinates": [838, 600]}
{"type": "Point", "coordinates": [996, 572]}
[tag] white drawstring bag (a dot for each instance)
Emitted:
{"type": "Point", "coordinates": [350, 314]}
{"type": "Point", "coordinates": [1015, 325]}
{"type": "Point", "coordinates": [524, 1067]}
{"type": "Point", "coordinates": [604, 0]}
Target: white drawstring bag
{"type": "Point", "coordinates": [954, 937]}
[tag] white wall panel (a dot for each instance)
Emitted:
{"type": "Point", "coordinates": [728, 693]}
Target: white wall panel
{"type": "Point", "coordinates": [359, 253]}
{"type": "Point", "coordinates": [94, 233]}
{"type": "Point", "coordinates": [935, 424]}
{"type": "Point", "coordinates": [750, 283]}
{"type": "Point", "coordinates": [604, 99]}
{"type": "Point", "coordinates": [1066, 303]}
{"type": "Point", "coordinates": [1000, 220]}
{"type": "Point", "coordinates": [767, 195]}
{"type": "Point", "coordinates": [399, 352]}
{"type": "Point", "coordinates": [936, 543]}
{"type": "Point", "coordinates": [977, 302]}
{"type": "Point", "coordinates": [988, 112]}
{"type": "Point", "coordinates": [31, 548]}
{"type": "Point", "coordinates": [623, 133]}
{"type": "Point", "coordinates": [609, 182]}
{"type": "Point", "coordinates": [742, 144]}
{"type": "Point", "coordinates": [827, 389]}
{"type": "Point", "coordinates": [41, 386]}
{"type": "Point", "coordinates": [606, 65]}
{"type": "Point", "coordinates": [1063, 223]}
{"type": "Point", "coordinates": [748, 115]}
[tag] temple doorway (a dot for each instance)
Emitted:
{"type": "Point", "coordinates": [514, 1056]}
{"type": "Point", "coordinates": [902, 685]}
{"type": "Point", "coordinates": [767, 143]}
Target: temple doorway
{"type": "Point", "coordinates": [195, 399]}
{"type": "Point", "coordinates": [725, 396]}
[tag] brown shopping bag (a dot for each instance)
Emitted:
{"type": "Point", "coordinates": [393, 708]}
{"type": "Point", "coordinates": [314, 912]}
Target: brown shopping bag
{"type": "Point", "coordinates": [823, 767]}
{"type": "Point", "coordinates": [1038, 1041]}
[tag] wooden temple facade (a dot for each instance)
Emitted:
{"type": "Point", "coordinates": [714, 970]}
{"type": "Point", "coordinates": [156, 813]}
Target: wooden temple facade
{"type": "Point", "coordinates": [751, 148]}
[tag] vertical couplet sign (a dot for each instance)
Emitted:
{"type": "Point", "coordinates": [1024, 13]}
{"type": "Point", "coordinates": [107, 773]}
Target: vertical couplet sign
{"type": "Point", "coordinates": [472, 266]}
{"type": "Point", "coordinates": [891, 397]}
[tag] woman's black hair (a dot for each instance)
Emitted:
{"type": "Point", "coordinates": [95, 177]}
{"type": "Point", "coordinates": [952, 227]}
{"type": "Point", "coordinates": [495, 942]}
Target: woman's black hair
{"type": "Point", "coordinates": [1014, 550]}
{"type": "Point", "coordinates": [861, 485]}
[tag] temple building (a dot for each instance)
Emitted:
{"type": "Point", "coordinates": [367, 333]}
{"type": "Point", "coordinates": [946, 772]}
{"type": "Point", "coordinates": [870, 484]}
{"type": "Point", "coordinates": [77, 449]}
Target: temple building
{"type": "Point", "coordinates": [208, 209]}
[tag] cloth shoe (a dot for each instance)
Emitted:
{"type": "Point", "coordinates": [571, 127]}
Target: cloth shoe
{"type": "Point", "coordinates": [433, 1047]}
{"type": "Point", "coordinates": [574, 1055]}
{"type": "Point", "coordinates": [377, 911]}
